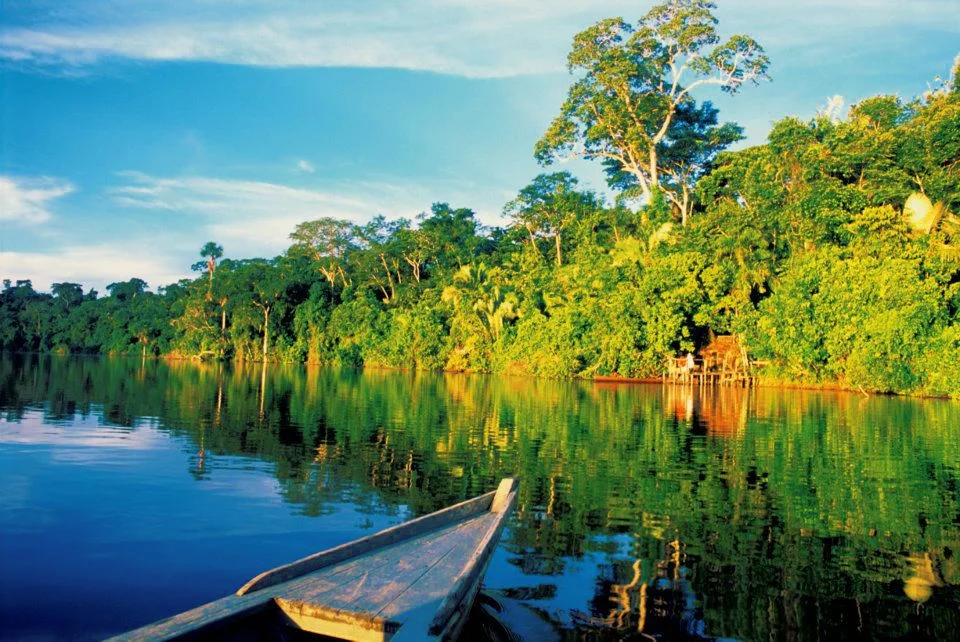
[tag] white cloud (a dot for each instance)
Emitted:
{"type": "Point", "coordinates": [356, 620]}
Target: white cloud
{"type": "Point", "coordinates": [475, 39]}
{"type": "Point", "coordinates": [249, 218]}
{"type": "Point", "coordinates": [256, 215]}
{"type": "Point", "coordinates": [833, 109]}
{"type": "Point", "coordinates": [455, 38]}
{"type": "Point", "coordinates": [92, 265]}
{"type": "Point", "coordinates": [255, 218]}
{"type": "Point", "coordinates": [27, 200]}
{"type": "Point", "coordinates": [306, 166]}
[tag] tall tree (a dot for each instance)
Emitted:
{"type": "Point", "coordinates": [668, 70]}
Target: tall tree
{"type": "Point", "coordinates": [67, 294]}
{"type": "Point", "coordinates": [328, 241]}
{"type": "Point", "coordinates": [149, 318]}
{"type": "Point", "coordinates": [452, 236]}
{"type": "Point", "coordinates": [548, 206]}
{"type": "Point", "coordinates": [127, 290]}
{"type": "Point", "coordinates": [633, 108]}
{"type": "Point", "coordinates": [694, 142]}
{"type": "Point", "coordinates": [212, 253]}
{"type": "Point", "coordinates": [380, 260]}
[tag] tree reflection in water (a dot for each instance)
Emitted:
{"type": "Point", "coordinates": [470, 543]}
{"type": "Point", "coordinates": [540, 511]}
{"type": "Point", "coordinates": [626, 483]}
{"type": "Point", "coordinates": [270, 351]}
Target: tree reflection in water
{"type": "Point", "coordinates": [734, 513]}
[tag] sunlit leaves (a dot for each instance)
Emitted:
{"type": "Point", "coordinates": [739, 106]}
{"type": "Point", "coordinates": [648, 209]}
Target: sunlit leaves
{"type": "Point", "coordinates": [549, 206]}
{"type": "Point", "coordinates": [632, 108]}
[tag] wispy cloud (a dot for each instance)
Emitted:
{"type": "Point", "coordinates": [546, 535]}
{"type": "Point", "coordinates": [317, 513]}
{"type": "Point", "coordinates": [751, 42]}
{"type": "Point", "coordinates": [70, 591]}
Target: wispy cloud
{"type": "Point", "coordinates": [255, 218]}
{"type": "Point", "coordinates": [475, 39]}
{"type": "Point", "coordinates": [306, 166]}
{"type": "Point", "coordinates": [248, 217]}
{"type": "Point", "coordinates": [448, 37]}
{"type": "Point", "coordinates": [28, 201]}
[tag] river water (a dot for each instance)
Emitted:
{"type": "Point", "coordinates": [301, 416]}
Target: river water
{"type": "Point", "coordinates": [130, 491]}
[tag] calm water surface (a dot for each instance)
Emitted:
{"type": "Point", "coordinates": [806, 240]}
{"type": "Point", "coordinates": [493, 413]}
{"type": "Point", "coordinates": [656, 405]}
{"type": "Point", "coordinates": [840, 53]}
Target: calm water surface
{"type": "Point", "coordinates": [130, 491]}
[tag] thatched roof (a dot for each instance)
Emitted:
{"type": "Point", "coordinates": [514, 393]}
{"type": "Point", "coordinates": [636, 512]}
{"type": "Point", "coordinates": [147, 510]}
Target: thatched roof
{"type": "Point", "coordinates": [722, 345]}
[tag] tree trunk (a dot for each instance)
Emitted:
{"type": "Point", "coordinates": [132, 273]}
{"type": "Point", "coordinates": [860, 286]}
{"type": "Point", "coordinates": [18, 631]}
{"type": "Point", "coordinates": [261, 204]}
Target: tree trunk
{"type": "Point", "coordinates": [396, 268]}
{"type": "Point", "coordinates": [556, 238]}
{"type": "Point", "coordinates": [685, 206]}
{"type": "Point", "coordinates": [654, 174]}
{"type": "Point", "coordinates": [393, 292]}
{"type": "Point", "coordinates": [533, 240]}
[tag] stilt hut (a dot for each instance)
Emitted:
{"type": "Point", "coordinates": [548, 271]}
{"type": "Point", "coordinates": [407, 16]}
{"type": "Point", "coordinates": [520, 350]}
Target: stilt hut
{"type": "Point", "coordinates": [725, 361]}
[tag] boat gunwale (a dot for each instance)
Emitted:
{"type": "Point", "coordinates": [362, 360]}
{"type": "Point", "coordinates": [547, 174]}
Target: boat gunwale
{"type": "Point", "coordinates": [355, 548]}
{"type": "Point", "coordinates": [467, 584]}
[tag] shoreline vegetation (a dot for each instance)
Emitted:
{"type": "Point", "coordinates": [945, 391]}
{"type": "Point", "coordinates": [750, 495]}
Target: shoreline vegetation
{"type": "Point", "coordinates": [831, 252]}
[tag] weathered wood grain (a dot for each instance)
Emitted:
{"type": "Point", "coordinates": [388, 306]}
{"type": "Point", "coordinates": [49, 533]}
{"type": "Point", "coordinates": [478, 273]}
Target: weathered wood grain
{"type": "Point", "coordinates": [198, 622]}
{"type": "Point", "coordinates": [458, 583]}
{"type": "Point", "coordinates": [378, 582]}
{"type": "Point", "coordinates": [452, 614]}
{"type": "Point", "coordinates": [311, 585]}
{"type": "Point", "coordinates": [433, 585]}
{"type": "Point", "coordinates": [386, 537]}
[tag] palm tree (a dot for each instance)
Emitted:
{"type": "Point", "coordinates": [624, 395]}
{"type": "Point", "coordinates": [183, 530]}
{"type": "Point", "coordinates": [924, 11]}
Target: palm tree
{"type": "Point", "coordinates": [926, 218]}
{"type": "Point", "coordinates": [480, 288]}
{"type": "Point", "coordinates": [212, 252]}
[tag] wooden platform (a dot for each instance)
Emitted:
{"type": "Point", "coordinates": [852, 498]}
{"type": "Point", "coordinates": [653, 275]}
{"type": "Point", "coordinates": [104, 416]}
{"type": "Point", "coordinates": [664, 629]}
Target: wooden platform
{"type": "Point", "coordinates": [724, 362]}
{"type": "Point", "coordinates": [415, 581]}
{"type": "Point", "coordinates": [696, 377]}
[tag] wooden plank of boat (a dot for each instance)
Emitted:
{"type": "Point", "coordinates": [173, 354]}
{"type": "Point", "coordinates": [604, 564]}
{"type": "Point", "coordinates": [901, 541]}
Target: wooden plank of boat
{"type": "Point", "coordinates": [415, 581]}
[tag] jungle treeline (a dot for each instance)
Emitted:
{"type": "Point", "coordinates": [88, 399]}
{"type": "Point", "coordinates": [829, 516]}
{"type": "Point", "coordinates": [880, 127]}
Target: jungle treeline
{"type": "Point", "coordinates": [832, 250]}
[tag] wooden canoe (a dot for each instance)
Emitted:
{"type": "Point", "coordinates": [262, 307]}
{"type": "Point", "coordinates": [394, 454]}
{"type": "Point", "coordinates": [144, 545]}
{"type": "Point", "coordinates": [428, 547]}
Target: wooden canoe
{"type": "Point", "coordinates": [414, 581]}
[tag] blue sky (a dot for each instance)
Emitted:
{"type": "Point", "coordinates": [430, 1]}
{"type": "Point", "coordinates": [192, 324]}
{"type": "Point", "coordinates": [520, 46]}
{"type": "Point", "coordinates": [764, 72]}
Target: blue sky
{"type": "Point", "coordinates": [132, 132]}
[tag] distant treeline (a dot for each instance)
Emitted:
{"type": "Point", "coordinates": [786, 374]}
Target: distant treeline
{"type": "Point", "coordinates": [833, 250]}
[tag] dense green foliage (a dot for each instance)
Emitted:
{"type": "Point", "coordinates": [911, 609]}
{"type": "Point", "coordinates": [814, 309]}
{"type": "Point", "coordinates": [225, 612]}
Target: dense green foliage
{"type": "Point", "coordinates": [833, 250]}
